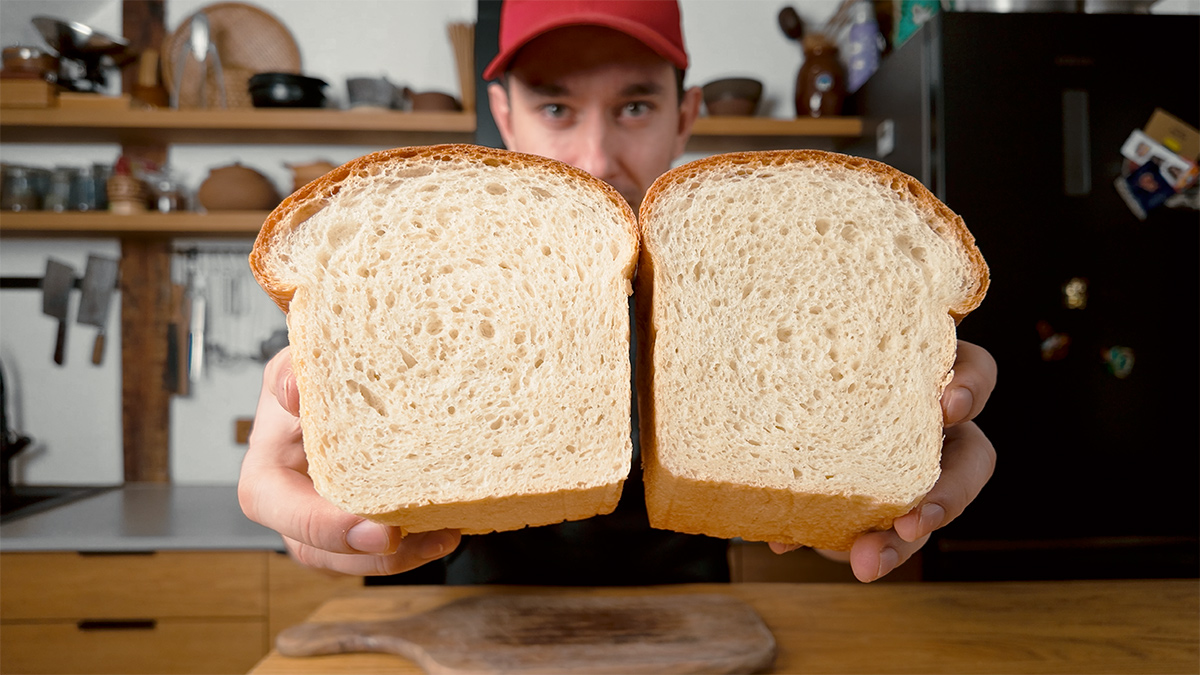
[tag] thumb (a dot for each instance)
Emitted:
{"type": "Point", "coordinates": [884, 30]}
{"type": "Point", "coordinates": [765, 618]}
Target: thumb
{"type": "Point", "coordinates": [282, 380]}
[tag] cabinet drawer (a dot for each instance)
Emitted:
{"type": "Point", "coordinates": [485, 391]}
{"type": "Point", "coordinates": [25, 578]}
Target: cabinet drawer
{"type": "Point", "coordinates": [133, 586]}
{"type": "Point", "coordinates": [167, 646]}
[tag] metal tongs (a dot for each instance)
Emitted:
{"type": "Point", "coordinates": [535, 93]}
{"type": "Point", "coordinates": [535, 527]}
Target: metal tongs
{"type": "Point", "coordinates": [201, 47]}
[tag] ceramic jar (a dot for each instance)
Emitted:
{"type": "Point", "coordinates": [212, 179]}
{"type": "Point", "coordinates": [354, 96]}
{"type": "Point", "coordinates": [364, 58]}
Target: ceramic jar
{"type": "Point", "coordinates": [821, 84]}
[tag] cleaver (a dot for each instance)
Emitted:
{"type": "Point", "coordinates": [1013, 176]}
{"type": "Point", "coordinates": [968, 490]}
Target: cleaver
{"type": "Point", "coordinates": [56, 296]}
{"type": "Point", "coordinates": [99, 282]}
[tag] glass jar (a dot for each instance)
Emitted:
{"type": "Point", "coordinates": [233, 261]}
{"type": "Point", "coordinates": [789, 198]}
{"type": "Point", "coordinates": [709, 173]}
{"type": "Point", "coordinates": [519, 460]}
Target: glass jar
{"type": "Point", "coordinates": [63, 194]}
{"type": "Point", "coordinates": [821, 84]}
{"type": "Point", "coordinates": [20, 191]}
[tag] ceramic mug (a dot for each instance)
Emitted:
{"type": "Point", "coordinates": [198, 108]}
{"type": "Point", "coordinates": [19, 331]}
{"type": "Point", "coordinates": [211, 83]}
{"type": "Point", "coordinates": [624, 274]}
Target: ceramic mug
{"type": "Point", "coordinates": [373, 92]}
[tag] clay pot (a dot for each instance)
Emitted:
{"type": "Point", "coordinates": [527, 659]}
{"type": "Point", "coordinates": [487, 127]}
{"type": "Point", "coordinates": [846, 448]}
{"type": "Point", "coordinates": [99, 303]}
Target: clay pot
{"type": "Point", "coordinates": [237, 188]}
{"type": "Point", "coordinates": [303, 174]}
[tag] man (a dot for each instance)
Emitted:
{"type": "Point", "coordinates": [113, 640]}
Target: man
{"type": "Point", "coordinates": [597, 85]}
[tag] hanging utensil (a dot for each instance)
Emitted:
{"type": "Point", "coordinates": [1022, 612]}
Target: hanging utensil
{"type": "Point", "coordinates": [175, 377]}
{"type": "Point", "coordinates": [99, 282]}
{"type": "Point", "coordinates": [196, 329]}
{"type": "Point", "coordinates": [56, 296]}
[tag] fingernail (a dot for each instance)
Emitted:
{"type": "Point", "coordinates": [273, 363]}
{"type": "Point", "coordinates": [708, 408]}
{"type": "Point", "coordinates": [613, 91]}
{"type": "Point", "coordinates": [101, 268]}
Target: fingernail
{"type": "Point", "coordinates": [958, 405]}
{"type": "Point", "coordinates": [930, 519]}
{"type": "Point", "coordinates": [435, 545]}
{"type": "Point", "coordinates": [888, 560]}
{"type": "Point", "coordinates": [368, 537]}
{"type": "Point", "coordinates": [289, 386]}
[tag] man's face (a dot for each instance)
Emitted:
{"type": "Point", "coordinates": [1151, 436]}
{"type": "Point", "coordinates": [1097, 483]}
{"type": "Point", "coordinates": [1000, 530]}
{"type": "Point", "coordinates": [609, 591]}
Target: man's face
{"type": "Point", "coordinates": [599, 100]}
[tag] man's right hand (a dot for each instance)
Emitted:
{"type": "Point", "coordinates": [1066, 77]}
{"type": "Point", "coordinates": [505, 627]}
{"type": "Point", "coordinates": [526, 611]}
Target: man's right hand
{"type": "Point", "coordinates": [274, 490]}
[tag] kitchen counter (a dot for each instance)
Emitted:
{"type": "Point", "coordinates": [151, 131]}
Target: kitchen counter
{"type": "Point", "coordinates": [142, 517]}
{"type": "Point", "coordinates": [1143, 626]}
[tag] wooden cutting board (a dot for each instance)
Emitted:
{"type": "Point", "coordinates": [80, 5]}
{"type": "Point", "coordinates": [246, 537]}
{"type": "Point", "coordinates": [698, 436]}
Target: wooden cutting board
{"type": "Point", "coordinates": [557, 633]}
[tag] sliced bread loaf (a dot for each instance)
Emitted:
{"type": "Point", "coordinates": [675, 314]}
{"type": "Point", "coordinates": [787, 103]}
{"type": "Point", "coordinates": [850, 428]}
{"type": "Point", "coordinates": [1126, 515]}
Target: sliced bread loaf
{"type": "Point", "coordinates": [460, 336]}
{"type": "Point", "coordinates": [798, 313]}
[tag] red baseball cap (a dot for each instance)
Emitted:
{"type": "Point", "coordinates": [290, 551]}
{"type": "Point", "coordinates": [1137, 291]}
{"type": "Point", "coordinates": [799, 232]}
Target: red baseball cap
{"type": "Point", "coordinates": [655, 23]}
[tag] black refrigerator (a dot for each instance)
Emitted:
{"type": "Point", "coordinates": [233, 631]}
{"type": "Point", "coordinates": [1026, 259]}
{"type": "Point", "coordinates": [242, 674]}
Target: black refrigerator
{"type": "Point", "coordinates": [1016, 122]}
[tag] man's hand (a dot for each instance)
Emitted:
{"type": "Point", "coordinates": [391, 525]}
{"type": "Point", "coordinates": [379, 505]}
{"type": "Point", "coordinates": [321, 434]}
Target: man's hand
{"type": "Point", "coordinates": [968, 460]}
{"type": "Point", "coordinates": [274, 490]}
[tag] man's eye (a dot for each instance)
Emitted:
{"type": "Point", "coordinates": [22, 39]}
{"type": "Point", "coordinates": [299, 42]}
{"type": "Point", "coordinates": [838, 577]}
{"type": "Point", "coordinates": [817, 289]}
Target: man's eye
{"type": "Point", "coordinates": [555, 110]}
{"type": "Point", "coordinates": [637, 108]}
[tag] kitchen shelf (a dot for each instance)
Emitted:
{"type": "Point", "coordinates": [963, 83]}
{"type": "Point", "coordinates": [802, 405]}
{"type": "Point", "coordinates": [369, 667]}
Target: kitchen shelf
{"type": "Point", "coordinates": [769, 126]}
{"type": "Point", "coordinates": [181, 224]}
{"type": "Point", "coordinates": [380, 128]}
{"type": "Point", "coordinates": [251, 125]}
{"type": "Point", "coordinates": [313, 126]}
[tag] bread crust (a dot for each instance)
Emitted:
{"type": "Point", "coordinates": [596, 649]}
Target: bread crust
{"type": "Point", "coordinates": [504, 513]}
{"type": "Point", "coordinates": [315, 196]}
{"type": "Point", "coordinates": [728, 510]}
{"type": "Point", "coordinates": [497, 513]}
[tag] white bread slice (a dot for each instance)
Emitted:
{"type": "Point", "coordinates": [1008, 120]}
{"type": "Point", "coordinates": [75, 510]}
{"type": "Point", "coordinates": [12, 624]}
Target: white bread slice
{"type": "Point", "coordinates": [797, 311]}
{"type": "Point", "coordinates": [460, 335]}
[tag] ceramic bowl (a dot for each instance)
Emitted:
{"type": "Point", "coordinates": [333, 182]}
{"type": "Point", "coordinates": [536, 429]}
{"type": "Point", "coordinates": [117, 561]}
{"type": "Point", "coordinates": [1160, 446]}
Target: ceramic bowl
{"type": "Point", "coordinates": [732, 96]}
{"type": "Point", "coordinates": [286, 90]}
{"type": "Point", "coordinates": [432, 101]}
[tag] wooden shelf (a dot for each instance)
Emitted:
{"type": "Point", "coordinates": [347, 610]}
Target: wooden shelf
{"type": "Point", "coordinates": [252, 125]}
{"type": "Point", "coordinates": [182, 224]}
{"type": "Point", "coordinates": [769, 126]}
{"type": "Point", "coordinates": [310, 126]}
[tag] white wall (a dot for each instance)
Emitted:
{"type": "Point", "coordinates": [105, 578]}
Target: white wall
{"type": "Point", "coordinates": [74, 411]}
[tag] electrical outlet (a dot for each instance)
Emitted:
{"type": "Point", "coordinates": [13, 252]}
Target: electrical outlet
{"type": "Point", "coordinates": [241, 429]}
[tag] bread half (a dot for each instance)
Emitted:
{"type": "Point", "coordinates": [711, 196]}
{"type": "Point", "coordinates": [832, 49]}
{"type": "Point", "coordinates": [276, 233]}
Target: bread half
{"type": "Point", "coordinates": [460, 336]}
{"type": "Point", "coordinates": [798, 313]}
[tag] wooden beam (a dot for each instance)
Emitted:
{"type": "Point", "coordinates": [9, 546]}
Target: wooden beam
{"type": "Point", "coordinates": [145, 315]}
{"type": "Point", "coordinates": [143, 23]}
{"type": "Point", "coordinates": [145, 296]}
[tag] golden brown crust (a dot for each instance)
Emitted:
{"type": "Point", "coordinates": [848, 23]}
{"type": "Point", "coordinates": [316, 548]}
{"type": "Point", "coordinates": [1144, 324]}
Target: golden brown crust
{"type": "Point", "coordinates": [829, 522]}
{"type": "Point", "coordinates": [767, 514]}
{"type": "Point", "coordinates": [504, 513]}
{"type": "Point", "coordinates": [310, 199]}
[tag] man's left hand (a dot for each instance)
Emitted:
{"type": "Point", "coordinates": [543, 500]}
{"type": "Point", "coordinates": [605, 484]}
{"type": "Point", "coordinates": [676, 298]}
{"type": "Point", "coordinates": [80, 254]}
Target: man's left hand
{"type": "Point", "coordinates": [968, 460]}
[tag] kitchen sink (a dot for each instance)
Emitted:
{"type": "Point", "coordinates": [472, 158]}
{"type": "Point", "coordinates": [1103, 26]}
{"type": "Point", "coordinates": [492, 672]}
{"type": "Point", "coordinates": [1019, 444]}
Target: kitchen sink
{"type": "Point", "coordinates": [25, 500]}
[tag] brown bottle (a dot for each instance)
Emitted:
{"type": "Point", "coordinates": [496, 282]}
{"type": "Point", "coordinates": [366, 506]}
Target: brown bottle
{"type": "Point", "coordinates": [821, 84]}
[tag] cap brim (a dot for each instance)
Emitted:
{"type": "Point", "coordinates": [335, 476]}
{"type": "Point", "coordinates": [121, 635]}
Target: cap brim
{"type": "Point", "coordinates": [640, 32]}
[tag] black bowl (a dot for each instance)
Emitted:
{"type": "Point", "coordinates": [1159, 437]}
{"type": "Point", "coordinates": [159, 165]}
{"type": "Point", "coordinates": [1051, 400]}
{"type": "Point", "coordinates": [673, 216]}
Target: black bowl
{"type": "Point", "coordinates": [285, 90]}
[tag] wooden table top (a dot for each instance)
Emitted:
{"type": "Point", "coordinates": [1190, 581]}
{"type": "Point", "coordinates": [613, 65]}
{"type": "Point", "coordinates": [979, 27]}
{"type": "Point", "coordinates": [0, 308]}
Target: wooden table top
{"type": "Point", "coordinates": [1136, 626]}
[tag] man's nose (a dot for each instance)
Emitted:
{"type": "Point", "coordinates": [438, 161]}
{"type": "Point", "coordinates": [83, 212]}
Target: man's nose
{"type": "Point", "coordinates": [594, 148]}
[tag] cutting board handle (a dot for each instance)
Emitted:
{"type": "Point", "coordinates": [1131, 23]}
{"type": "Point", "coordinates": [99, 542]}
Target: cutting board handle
{"type": "Point", "coordinates": [320, 639]}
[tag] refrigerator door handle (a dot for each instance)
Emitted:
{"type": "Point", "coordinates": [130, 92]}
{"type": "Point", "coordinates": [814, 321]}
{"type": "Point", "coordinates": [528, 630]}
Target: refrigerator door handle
{"type": "Point", "coordinates": [1077, 144]}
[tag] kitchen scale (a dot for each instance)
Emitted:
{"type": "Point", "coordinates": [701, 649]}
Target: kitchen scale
{"type": "Point", "coordinates": [87, 57]}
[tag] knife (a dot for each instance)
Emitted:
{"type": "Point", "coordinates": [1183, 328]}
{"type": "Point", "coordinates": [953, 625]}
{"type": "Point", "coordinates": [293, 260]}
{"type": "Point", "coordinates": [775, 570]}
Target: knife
{"type": "Point", "coordinates": [99, 281]}
{"type": "Point", "coordinates": [56, 296]}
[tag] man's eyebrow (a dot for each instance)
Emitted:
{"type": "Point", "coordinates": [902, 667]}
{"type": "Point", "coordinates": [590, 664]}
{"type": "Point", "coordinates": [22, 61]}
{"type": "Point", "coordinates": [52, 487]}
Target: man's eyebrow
{"type": "Point", "coordinates": [643, 89]}
{"type": "Point", "coordinates": [553, 90]}
{"type": "Point", "coordinates": [549, 89]}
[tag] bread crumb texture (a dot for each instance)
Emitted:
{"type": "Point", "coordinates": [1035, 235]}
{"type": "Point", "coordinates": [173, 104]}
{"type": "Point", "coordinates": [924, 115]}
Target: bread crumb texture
{"type": "Point", "coordinates": [802, 339]}
{"type": "Point", "coordinates": [459, 328]}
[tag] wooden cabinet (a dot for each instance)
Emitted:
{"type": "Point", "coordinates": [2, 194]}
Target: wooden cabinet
{"type": "Point", "coordinates": [164, 612]}
{"type": "Point", "coordinates": [163, 646]}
